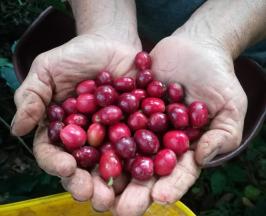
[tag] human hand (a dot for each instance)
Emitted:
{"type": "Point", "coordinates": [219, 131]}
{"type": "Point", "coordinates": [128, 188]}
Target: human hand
{"type": "Point", "coordinates": [206, 71]}
{"type": "Point", "coordinates": [53, 77]}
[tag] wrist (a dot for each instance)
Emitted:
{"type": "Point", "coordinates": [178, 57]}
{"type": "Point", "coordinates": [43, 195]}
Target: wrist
{"type": "Point", "coordinates": [203, 34]}
{"type": "Point", "coordinates": [232, 25]}
{"type": "Point", "coordinates": [124, 34]}
{"type": "Point", "coordinates": [115, 20]}
{"type": "Point", "coordinates": [203, 41]}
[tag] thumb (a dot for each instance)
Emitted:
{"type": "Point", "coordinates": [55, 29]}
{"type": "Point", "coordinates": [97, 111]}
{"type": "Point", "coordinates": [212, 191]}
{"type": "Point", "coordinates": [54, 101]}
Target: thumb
{"type": "Point", "coordinates": [32, 97]}
{"type": "Point", "coordinates": [224, 136]}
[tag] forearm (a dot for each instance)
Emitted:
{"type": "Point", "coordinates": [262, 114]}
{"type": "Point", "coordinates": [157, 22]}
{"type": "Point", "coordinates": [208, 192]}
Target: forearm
{"type": "Point", "coordinates": [117, 18]}
{"type": "Point", "coordinates": [235, 25]}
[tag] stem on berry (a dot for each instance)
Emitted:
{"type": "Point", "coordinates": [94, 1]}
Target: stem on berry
{"type": "Point", "coordinates": [110, 181]}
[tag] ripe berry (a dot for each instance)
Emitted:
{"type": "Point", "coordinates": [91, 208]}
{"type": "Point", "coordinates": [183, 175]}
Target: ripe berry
{"type": "Point", "coordinates": [110, 166]}
{"type": "Point", "coordinates": [125, 147]}
{"type": "Point", "coordinates": [193, 134]}
{"type": "Point", "coordinates": [178, 115]}
{"type": "Point", "coordinates": [128, 102]}
{"type": "Point", "coordinates": [177, 141]}
{"type": "Point", "coordinates": [147, 142]}
{"type": "Point", "coordinates": [137, 120]}
{"type": "Point", "coordinates": [55, 113]}
{"type": "Point", "coordinates": [124, 84]}
{"type": "Point", "coordinates": [104, 78]}
{"type": "Point", "coordinates": [86, 103]}
{"type": "Point", "coordinates": [108, 115]}
{"type": "Point", "coordinates": [164, 162]}
{"type": "Point", "coordinates": [86, 86]}
{"type": "Point", "coordinates": [54, 129]}
{"type": "Point", "coordinates": [87, 157]}
{"type": "Point", "coordinates": [143, 60]}
{"type": "Point", "coordinates": [171, 106]}
{"type": "Point", "coordinates": [143, 78]}
{"type": "Point", "coordinates": [77, 119]}
{"type": "Point", "coordinates": [96, 134]}
{"type": "Point", "coordinates": [142, 168]}
{"type": "Point", "coordinates": [139, 94]}
{"type": "Point", "coordinates": [156, 89]}
{"type": "Point", "coordinates": [105, 95]}
{"type": "Point", "coordinates": [70, 106]}
{"type": "Point", "coordinates": [158, 122]}
{"type": "Point", "coordinates": [198, 114]}
{"type": "Point", "coordinates": [152, 105]}
{"type": "Point", "coordinates": [106, 147]}
{"type": "Point", "coordinates": [118, 131]}
{"type": "Point", "coordinates": [175, 92]}
{"type": "Point", "coordinates": [73, 137]}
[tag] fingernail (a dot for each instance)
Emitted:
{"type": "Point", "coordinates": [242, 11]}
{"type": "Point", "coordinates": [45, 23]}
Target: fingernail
{"type": "Point", "coordinates": [208, 158]}
{"type": "Point", "coordinates": [97, 210]}
{"type": "Point", "coordinates": [12, 124]}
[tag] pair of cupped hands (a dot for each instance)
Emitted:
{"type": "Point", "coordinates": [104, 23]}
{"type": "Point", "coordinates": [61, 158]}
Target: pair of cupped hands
{"type": "Point", "coordinates": [203, 67]}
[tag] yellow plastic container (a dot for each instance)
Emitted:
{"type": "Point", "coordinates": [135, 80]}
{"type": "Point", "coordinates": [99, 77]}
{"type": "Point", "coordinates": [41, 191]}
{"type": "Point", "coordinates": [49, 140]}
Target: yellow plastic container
{"type": "Point", "coordinates": [64, 205]}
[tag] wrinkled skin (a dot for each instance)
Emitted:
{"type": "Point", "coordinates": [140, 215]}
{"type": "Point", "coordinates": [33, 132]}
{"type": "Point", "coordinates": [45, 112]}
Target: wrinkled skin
{"type": "Point", "coordinates": [206, 72]}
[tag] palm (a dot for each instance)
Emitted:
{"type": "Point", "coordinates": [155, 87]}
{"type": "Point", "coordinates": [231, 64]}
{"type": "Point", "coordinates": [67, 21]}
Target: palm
{"type": "Point", "coordinates": [53, 76]}
{"type": "Point", "coordinates": [207, 74]}
{"type": "Point", "coordinates": [83, 57]}
{"type": "Point", "coordinates": [201, 70]}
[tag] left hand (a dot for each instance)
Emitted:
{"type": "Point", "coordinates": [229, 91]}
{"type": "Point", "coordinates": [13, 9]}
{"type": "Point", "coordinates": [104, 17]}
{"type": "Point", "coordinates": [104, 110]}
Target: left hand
{"type": "Point", "coordinates": [206, 71]}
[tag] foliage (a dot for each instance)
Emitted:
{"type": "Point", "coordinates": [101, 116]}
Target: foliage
{"type": "Point", "coordinates": [20, 177]}
{"type": "Point", "coordinates": [16, 16]}
{"type": "Point", "coordinates": [236, 188]}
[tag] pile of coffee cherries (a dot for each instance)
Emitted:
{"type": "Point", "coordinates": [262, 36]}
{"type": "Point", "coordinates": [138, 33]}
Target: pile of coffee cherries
{"type": "Point", "coordinates": [136, 125]}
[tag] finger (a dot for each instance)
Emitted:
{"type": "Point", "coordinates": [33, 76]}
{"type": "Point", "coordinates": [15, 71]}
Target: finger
{"type": "Point", "coordinates": [171, 188]}
{"type": "Point", "coordinates": [225, 132]}
{"type": "Point", "coordinates": [52, 159]}
{"type": "Point", "coordinates": [32, 97]}
{"type": "Point", "coordinates": [123, 63]}
{"type": "Point", "coordinates": [135, 199]}
{"type": "Point", "coordinates": [103, 195]}
{"type": "Point", "coordinates": [80, 185]}
{"type": "Point", "coordinates": [120, 183]}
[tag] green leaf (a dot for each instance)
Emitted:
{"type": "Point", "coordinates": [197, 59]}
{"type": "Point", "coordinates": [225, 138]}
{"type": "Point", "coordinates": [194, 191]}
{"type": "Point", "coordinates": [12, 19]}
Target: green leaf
{"type": "Point", "coordinates": [13, 47]}
{"type": "Point", "coordinates": [5, 62]}
{"type": "Point", "coordinates": [218, 182]}
{"type": "Point", "coordinates": [9, 75]}
{"type": "Point", "coordinates": [251, 192]}
{"type": "Point", "coordinates": [195, 190]}
{"type": "Point", "coordinates": [236, 173]}
{"type": "Point", "coordinates": [110, 182]}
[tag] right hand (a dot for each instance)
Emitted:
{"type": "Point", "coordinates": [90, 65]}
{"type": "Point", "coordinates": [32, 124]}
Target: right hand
{"type": "Point", "coordinates": [52, 77]}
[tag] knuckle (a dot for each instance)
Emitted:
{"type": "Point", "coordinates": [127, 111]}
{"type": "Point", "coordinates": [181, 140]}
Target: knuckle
{"type": "Point", "coordinates": [67, 168]}
{"type": "Point", "coordinates": [39, 59]}
{"type": "Point", "coordinates": [121, 210]}
{"type": "Point", "coordinates": [82, 195]}
{"type": "Point", "coordinates": [18, 95]}
{"type": "Point", "coordinates": [103, 204]}
{"type": "Point", "coordinates": [235, 138]}
{"type": "Point", "coordinates": [32, 113]}
{"type": "Point", "coordinates": [243, 102]}
{"type": "Point", "coordinates": [40, 62]}
{"type": "Point", "coordinates": [79, 186]}
{"type": "Point", "coordinates": [102, 201]}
